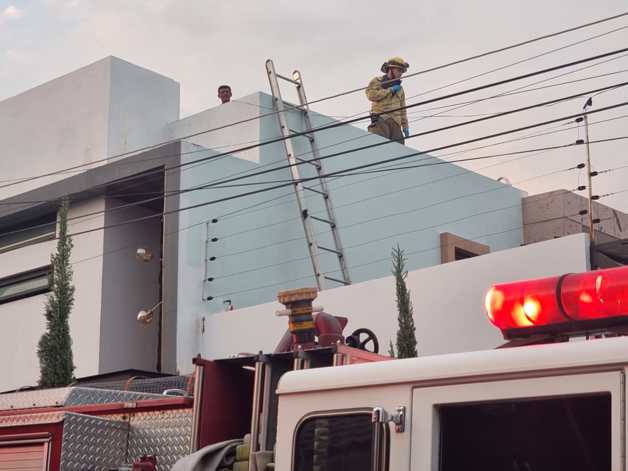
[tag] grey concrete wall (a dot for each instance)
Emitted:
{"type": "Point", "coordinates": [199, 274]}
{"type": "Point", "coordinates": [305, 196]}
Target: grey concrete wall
{"type": "Point", "coordinates": [128, 286]}
{"type": "Point", "coordinates": [556, 214]}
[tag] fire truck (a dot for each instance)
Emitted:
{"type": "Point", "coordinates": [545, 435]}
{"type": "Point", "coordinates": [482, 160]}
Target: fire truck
{"type": "Point", "coordinates": [552, 397]}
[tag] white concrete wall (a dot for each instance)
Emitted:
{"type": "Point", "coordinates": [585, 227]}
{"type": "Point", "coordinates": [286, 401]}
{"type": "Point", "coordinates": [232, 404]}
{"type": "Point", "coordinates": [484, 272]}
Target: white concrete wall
{"type": "Point", "coordinates": [142, 102]}
{"type": "Point", "coordinates": [230, 137]}
{"type": "Point", "coordinates": [56, 125]}
{"type": "Point", "coordinates": [23, 320]}
{"type": "Point", "coordinates": [103, 109]}
{"type": "Point", "coordinates": [129, 285]}
{"type": "Point", "coordinates": [262, 250]}
{"type": "Point", "coordinates": [448, 304]}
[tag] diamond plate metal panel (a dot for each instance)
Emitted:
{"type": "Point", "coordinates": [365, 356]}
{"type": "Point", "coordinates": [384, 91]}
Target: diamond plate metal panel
{"type": "Point", "coordinates": [31, 419]}
{"type": "Point", "coordinates": [92, 443]}
{"type": "Point", "coordinates": [81, 396]}
{"type": "Point", "coordinates": [165, 434]}
{"type": "Point", "coordinates": [36, 398]}
{"type": "Point", "coordinates": [73, 396]}
{"type": "Point", "coordinates": [145, 385]}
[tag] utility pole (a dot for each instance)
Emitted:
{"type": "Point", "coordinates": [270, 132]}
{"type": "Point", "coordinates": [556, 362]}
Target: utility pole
{"type": "Point", "coordinates": [589, 103]}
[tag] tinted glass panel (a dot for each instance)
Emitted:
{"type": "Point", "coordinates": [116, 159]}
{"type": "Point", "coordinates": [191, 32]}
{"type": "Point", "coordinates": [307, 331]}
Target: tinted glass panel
{"type": "Point", "coordinates": [336, 443]}
{"type": "Point", "coordinates": [24, 285]}
{"type": "Point", "coordinates": [571, 433]}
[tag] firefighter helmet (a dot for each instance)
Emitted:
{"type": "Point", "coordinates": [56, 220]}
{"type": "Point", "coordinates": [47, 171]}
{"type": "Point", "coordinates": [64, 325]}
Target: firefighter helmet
{"type": "Point", "coordinates": [395, 62]}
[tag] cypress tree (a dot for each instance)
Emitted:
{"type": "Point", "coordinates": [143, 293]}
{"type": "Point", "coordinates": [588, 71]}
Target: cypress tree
{"type": "Point", "coordinates": [55, 346]}
{"type": "Point", "coordinates": [406, 335]}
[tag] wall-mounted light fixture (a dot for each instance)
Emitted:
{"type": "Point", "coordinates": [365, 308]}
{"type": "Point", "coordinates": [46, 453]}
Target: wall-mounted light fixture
{"type": "Point", "coordinates": [146, 317]}
{"type": "Point", "coordinates": [144, 254]}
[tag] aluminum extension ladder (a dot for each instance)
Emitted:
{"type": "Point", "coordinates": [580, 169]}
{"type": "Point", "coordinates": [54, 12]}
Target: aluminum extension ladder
{"type": "Point", "coordinates": [299, 188]}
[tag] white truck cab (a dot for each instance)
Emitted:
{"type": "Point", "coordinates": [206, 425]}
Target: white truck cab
{"type": "Point", "coordinates": [559, 402]}
{"type": "Point", "coordinates": [553, 397]}
{"type": "Point", "coordinates": [532, 408]}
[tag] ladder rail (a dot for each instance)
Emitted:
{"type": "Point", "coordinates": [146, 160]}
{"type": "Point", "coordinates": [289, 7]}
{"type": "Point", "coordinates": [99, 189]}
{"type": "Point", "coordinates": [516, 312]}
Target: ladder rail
{"type": "Point", "coordinates": [294, 172]}
{"type": "Point", "coordinates": [331, 214]}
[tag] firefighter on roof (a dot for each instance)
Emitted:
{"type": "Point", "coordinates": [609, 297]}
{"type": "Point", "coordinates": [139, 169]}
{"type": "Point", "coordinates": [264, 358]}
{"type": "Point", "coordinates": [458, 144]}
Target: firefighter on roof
{"type": "Point", "coordinates": [387, 95]}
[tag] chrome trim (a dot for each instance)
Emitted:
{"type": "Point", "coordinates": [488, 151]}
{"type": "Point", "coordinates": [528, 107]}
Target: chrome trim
{"type": "Point", "coordinates": [255, 415]}
{"type": "Point", "coordinates": [196, 407]}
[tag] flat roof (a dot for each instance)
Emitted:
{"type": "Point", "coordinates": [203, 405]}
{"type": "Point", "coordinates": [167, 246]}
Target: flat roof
{"type": "Point", "coordinates": [95, 181]}
{"type": "Point", "coordinates": [441, 368]}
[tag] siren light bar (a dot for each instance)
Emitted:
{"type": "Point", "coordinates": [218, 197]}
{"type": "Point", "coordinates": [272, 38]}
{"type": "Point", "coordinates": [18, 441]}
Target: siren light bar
{"type": "Point", "coordinates": [569, 303]}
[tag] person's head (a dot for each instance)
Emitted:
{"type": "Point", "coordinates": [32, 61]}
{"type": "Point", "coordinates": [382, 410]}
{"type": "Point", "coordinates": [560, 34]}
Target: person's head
{"type": "Point", "coordinates": [224, 93]}
{"type": "Point", "coordinates": [394, 73]}
{"type": "Point", "coordinates": [395, 67]}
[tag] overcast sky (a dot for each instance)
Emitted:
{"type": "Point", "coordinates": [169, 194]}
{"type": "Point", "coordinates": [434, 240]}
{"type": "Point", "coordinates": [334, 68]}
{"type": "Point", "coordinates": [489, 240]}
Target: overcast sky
{"type": "Point", "coordinates": [340, 45]}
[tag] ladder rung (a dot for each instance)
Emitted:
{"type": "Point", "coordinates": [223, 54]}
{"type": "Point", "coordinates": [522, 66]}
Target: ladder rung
{"type": "Point", "coordinates": [315, 191]}
{"type": "Point", "coordinates": [301, 133]}
{"type": "Point", "coordinates": [326, 221]}
{"type": "Point", "coordinates": [311, 162]}
{"type": "Point", "coordinates": [337, 280]}
{"type": "Point", "coordinates": [287, 79]}
{"type": "Point", "coordinates": [327, 249]}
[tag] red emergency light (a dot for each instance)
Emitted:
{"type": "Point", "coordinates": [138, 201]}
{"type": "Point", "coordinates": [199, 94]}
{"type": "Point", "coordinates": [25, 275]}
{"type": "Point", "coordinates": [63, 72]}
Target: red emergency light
{"type": "Point", "coordinates": [575, 302]}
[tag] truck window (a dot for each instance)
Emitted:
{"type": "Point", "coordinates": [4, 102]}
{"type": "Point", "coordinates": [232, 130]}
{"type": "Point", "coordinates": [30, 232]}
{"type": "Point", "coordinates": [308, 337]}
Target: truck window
{"type": "Point", "coordinates": [527, 435]}
{"type": "Point", "coordinates": [334, 443]}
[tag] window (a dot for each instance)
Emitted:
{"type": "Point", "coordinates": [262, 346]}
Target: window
{"type": "Point", "coordinates": [28, 232]}
{"type": "Point", "coordinates": [541, 435]}
{"type": "Point", "coordinates": [24, 285]}
{"type": "Point", "coordinates": [454, 248]}
{"type": "Point", "coordinates": [335, 443]}
{"type": "Point", "coordinates": [461, 254]}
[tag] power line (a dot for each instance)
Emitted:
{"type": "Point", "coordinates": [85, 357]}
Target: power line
{"type": "Point", "coordinates": [526, 88]}
{"type": "Point", "coordinates": [388, 258]}
{"type": "Point", "coordinates": [345, 122]}
{"type": "Point", "coordinates": [224, 155]}
{"type": "Point", "coordinates": [468, 102]}
{"type": "Point", "coordinates": [205, 222]}
{"type": "Point", "coordinates": [479, 236]}
{"type": "Point", "coordinates": [456, 62]}
{"type": "Point", "coordinates": [243, 211]}
{"type": "Point", "coordinates": [261, 172]}
{"type": "Point", "coordinates": [281, 242]}
{"type": "Point", "coordinates": [485, 54]}
{"type": "Point", "coordinates": [450, 107]}
{"type": "Point", "coordinates": [168, 234]}
{"type": "Point", "coordinates": [423, 133]}
{"type": "Point", "coordinates": [512, 64]}
{"type": "Point", "coordinates": [274, 164]}
{"type": "Point", "coordinates": [264, 190]}
{"type": "Point", "coordinates": [359, 167]}
{"type": "Point", "coordinates": [378, 218]}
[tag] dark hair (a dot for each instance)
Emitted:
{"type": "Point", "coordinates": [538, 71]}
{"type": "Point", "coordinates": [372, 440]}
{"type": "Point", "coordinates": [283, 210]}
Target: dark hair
{"type": "Point", "coordinates": [224, 86]}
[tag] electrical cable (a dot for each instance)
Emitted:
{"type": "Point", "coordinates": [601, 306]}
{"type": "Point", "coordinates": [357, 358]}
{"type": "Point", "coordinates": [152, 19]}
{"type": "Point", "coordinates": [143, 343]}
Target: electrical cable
{"type": "Point", "coordinates": [498, 115]}
{"type": "Point", "coordinates": [345, 122]}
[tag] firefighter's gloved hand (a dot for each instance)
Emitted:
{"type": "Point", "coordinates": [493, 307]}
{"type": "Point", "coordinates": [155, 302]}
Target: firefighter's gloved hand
{"type": "Point", "coordinates": [406, 132]}
{"type": "Point", "coordinates": [395, 88]}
